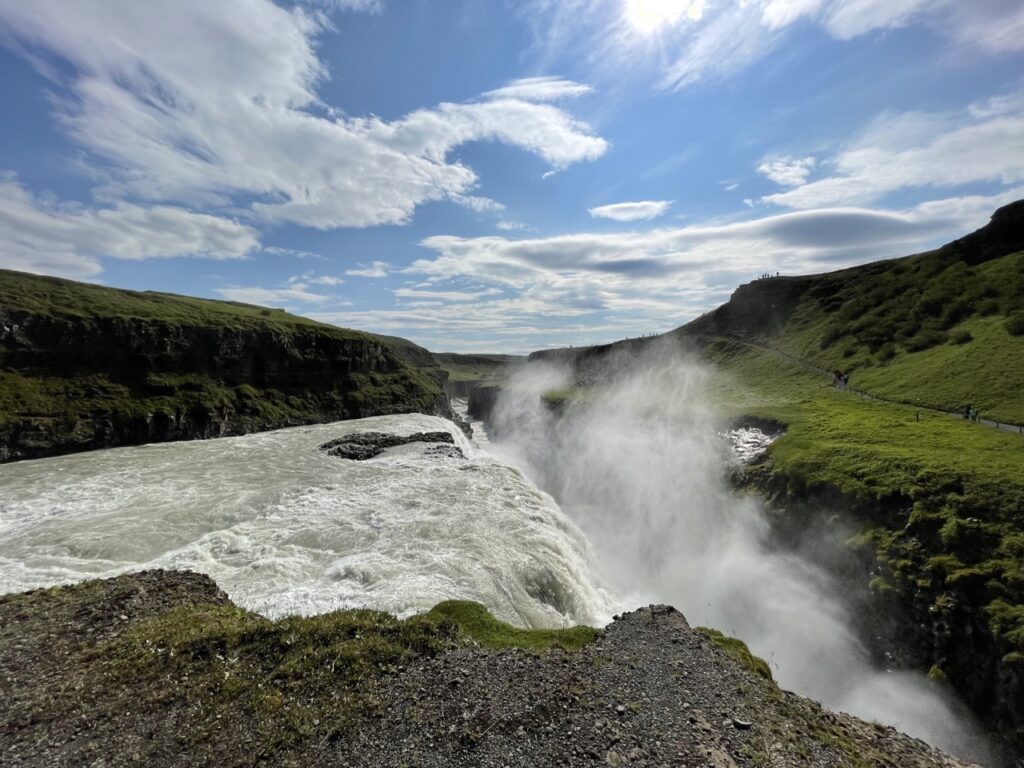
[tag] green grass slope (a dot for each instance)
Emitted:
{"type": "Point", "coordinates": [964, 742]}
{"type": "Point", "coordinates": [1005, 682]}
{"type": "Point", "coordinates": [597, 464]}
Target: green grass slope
{"type": "Point", "coordinates": [466, 372]}
{"type": "Point", "coordinates": [937, 502]}
{"type": "Point", "coordinates": [59, 298]}
{"type": "Point", "coordinates": [944, 329]}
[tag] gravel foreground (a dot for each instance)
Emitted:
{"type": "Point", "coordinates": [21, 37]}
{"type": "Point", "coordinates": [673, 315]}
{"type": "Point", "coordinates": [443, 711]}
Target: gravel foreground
{"type": "Point", "coordinates": [649, 691]}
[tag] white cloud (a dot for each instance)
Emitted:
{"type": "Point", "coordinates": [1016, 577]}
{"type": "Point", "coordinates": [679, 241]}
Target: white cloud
{"type": "Point", "coordinates": [539, 89]}
{"type": "Point", "coordinates": [236, 114]}
{"type": "Point", "coordinates": [649, 16]}
{"type": "Point", "coordinates": [637, 211]}
{"type": "Point", "coordinates": [847, 19]}
{"type": "Point", "coordinates": [913, 151]}
{"type": "Point", "coordinates": [365, 6]}
{"type": "Point", "coordinates": [375, 270]}
{"type": "Point", "coordinates": [479, 204]}
{"type": "Point", "coordinates": [682, 266]}
{"type": "Point", "coordinates": [726, 43]}
{"type": "Point", "coordinates": [776, 14]}
{"type": "Point", "coordinates": [996, 26]}
{"type": "Point", "coordinates": [312, 278]}
{"type": "Point", "coordinates": [510, 226]}
{"type": "Point", "coordinates": [294, 252]}
{"type": "Point", "coordinates": [593, 287]}
{"type": "Point", "coordinates": [45, 236]}
{"type": "Point", "coordinates": [294, 292]}
{"type": "Point", "coordinates": [787, 171]}
{"type": "Point", "coordinates": [444, 296]}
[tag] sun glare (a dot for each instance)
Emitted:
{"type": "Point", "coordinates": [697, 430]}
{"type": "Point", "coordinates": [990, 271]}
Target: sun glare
{"type": "Point", "coordinates": [648, 16]}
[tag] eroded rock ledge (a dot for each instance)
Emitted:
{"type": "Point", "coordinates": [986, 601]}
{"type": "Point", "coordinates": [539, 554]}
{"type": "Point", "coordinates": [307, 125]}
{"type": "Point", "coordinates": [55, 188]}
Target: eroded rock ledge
{"type": "Point", "coordinates": [160, 669]}
{"type": "Point", "coordinates": [360, 446]}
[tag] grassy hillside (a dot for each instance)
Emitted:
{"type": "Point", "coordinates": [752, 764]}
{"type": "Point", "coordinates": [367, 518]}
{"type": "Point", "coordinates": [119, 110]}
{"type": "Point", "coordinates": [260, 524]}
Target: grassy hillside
{"type": "Point", "coordinates": [85, 366]}
{"type": "Point", "coordinates": [58, 298]}
{"type": "Point", "coordinates": [944, 328]}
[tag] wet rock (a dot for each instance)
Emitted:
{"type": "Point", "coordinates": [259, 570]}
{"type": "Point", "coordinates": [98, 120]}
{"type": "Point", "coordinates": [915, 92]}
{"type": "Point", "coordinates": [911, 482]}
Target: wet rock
{"type": "Point", "coordinates": [361, 446]}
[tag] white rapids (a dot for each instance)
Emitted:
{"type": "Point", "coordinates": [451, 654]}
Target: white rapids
{"type": "Point", "coordinates": [285, 529]}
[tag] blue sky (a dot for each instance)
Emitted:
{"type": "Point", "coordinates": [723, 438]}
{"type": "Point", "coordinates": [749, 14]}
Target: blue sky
{"type": "Point", "coordinates": [480, 175]}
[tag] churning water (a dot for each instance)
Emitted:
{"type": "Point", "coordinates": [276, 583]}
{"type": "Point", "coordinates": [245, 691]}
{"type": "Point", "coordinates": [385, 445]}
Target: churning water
{"type": "Point", "coordinates": [286, 529]}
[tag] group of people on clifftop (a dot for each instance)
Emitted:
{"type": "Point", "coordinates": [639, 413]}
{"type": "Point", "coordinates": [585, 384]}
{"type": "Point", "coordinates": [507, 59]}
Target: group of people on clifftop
{"type": "Point", "coordinates": [971, 413]}
{"type": "Point", "coordinates": [839, 379]}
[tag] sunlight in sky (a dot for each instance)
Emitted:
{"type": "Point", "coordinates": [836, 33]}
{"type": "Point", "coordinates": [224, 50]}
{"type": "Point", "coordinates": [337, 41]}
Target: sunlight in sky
{"type": "Point", "coordinates": [648, 16]}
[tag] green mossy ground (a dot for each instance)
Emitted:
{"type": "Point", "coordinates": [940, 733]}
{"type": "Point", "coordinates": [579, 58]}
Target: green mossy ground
{"type": "Point", "coordinates": [288, 679]}
{"type": "Point", "coordinates": [477, 368]}
{"type": "Point", "coordinates": [476, 623]}
{"type": "Point", "coordinates": [739, 651]}
{"type": "Point", "coordinates": [54, 297]}
{"type": "Point", "coordinates": [170, 647]}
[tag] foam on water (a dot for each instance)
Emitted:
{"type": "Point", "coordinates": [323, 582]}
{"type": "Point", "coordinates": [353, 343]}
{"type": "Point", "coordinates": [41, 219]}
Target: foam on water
{"type": "Point", "coordinates": [285, 529]}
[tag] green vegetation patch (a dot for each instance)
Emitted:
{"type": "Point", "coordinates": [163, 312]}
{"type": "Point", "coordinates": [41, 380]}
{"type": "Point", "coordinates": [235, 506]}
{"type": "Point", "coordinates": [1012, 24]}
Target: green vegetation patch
{"type": "Point", "coordinates": [230, 677]}
{"type": "Point", "coordinates": [476, 623]}
{"type": "Point", "coordinates": [738, 650]}
{"type": "Point", "coordinates": [929, 329]}
{"type": "Point", "coordinates": [55, 297]}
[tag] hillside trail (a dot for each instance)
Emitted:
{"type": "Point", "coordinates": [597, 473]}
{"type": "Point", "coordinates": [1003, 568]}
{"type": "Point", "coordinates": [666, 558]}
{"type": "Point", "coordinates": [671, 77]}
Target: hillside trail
{"type": "Point", "coordinates": [1016, 429]}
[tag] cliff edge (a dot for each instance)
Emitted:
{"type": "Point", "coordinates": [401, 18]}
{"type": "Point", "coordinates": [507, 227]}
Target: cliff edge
{"type": "Point", "coordinates": [160, 669]}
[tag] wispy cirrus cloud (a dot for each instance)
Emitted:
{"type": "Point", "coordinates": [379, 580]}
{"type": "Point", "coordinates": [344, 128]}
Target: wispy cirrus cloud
{"type": "Point", "coordinates": [642, 210]}
{"type": "Point", "coordinates": [372, 270]}
{"type": "Point", "coordinates": [982, 144]}
{"type": "Point", "coordinates": [539, 89]}
{"type": "Point", "coordinates": [687, 42]}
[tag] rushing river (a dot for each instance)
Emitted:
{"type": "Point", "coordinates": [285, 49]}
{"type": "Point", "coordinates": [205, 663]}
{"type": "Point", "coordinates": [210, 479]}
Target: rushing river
{"type": "Point", "coordinates": [285, 529]}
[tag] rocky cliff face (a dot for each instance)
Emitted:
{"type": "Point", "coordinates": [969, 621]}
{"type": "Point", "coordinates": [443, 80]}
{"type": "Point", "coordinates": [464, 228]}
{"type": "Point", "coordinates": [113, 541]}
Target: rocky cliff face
{"type": "Point", "coordinates": [70, 382]}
